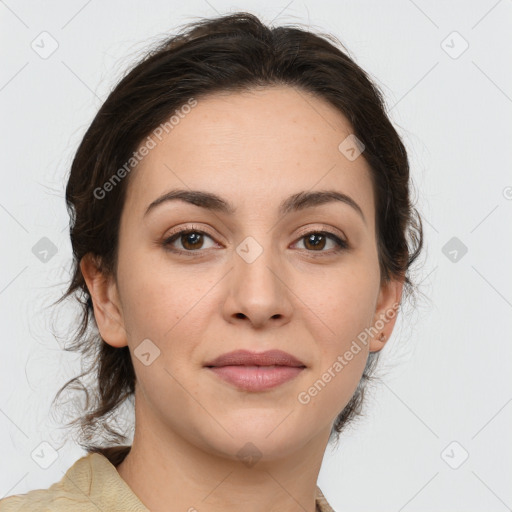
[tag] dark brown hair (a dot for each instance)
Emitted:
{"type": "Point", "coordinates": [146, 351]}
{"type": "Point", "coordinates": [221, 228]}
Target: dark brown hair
{"type": "Point", "coordinates": [230, 53]}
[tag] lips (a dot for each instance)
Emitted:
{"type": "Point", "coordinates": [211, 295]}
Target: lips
{"type": "Point", "coordinates": [247, 358]}
{"type": "Point", "coordinates": [256, 372]}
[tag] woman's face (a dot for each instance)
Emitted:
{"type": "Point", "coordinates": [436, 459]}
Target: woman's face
{"type": "Point", "coordinates": [260, 277]}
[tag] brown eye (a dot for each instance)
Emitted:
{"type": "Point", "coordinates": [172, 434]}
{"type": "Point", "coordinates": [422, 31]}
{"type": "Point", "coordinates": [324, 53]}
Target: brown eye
{"type": "Point", "coordinates": [190, 240]}
{"type": "Point", "coordinates": [316, 241]}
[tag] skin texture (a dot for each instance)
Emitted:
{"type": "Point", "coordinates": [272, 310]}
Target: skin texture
{"type": "Point", "coordinates": [254, 149]}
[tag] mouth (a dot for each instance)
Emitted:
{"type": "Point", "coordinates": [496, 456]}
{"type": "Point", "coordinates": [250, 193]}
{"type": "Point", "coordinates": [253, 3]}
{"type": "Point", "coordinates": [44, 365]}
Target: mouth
{"type": "Point", "coordinates": [250, 371]}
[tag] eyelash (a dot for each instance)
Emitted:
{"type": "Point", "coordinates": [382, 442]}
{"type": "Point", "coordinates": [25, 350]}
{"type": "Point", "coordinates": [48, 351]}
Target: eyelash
{"type": "Point", "coordinates": [341, 244]}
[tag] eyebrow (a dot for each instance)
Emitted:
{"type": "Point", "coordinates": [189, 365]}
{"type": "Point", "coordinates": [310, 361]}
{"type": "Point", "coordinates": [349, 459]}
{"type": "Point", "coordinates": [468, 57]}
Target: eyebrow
{"type": "Point", "coordinates": [294, 203]}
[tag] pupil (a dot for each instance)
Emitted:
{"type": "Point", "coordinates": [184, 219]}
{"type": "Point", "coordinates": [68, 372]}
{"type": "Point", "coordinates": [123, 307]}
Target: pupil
{"type": "Point", "coordinates": [312, 237]}
{"type": "Point", "coordinates": [192, 238]}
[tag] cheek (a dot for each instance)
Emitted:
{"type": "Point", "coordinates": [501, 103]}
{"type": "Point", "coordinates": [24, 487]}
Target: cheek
{"type": "Point", "coordinates": [335, 378]}
{"type": "Point", "coordinates": [343, 302]}
{"type": "Point", "coordinates": [156, 298]}
{"type": "Point", "coordinates": [345, 306]}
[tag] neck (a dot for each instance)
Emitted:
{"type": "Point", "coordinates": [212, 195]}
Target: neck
{"type": "Point", "coordinates": [165, 468]}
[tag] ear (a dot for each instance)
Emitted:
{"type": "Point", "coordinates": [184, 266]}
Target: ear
{"type": "Point", "coordinates": [386, 312]}
{"type": "Point", "coordinates": [105, 299]}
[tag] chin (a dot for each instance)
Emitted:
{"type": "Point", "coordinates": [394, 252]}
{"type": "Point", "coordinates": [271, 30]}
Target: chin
{"type": "Point", "coordinates": [264, 438]}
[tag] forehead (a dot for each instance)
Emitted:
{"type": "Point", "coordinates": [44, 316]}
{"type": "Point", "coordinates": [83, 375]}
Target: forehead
{"type": "Point", "coordinates": [254, 148]}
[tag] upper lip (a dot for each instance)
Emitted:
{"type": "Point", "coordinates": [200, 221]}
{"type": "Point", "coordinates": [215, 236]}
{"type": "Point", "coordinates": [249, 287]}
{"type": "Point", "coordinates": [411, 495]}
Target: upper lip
{"type": "Point", "coordinates": [247, 358]}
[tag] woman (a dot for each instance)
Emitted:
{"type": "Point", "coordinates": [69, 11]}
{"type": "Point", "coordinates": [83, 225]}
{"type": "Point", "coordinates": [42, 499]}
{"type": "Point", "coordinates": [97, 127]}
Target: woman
{"type": "Point", "coordinates": [242, 233]}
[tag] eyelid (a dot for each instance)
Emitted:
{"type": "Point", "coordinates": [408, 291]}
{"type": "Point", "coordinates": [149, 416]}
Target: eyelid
{"type": "Point", "coordinates": [325, 228]}
{"type": "Point", "coordinates": [329, 231]}
{"type": "Point", "coordinates": [191, 227]}
{"type": "Point", "coordinates": [302, 232]}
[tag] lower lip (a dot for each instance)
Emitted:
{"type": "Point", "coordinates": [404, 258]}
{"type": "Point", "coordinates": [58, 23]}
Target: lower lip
{"type": "Point", "coordinates": [256, 378]}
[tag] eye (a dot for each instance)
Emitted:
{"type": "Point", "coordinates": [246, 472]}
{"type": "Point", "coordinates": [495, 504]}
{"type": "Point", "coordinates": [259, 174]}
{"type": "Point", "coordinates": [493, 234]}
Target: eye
{"type": "Point", "coordinates": [315, 241]}
{"type": "Point", "coordinates": [191, 240]}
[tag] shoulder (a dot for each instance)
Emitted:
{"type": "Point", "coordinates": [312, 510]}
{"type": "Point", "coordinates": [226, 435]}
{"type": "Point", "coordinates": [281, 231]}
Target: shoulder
{"type": "Point", "coordinates": [322, 504]}
{"type": "Point", "coordinates": [38, 501]}
{"type": "Point", "coordinates": [92, 483]}
{"type": "Point", "coordinates": [60, 494]}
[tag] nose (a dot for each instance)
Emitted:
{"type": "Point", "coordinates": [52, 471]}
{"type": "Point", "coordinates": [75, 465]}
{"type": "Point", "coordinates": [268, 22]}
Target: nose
{"type": "Point", "coordinates": [259, 290]}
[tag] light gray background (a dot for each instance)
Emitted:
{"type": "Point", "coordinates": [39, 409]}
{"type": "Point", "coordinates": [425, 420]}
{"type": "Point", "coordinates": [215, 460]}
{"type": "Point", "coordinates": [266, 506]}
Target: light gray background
{"type": "Point", "coordinates": [447, 367]}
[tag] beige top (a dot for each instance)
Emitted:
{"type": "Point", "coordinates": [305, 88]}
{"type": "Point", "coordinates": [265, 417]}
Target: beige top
{"type": "Point", "coordinates": [92, 484]}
